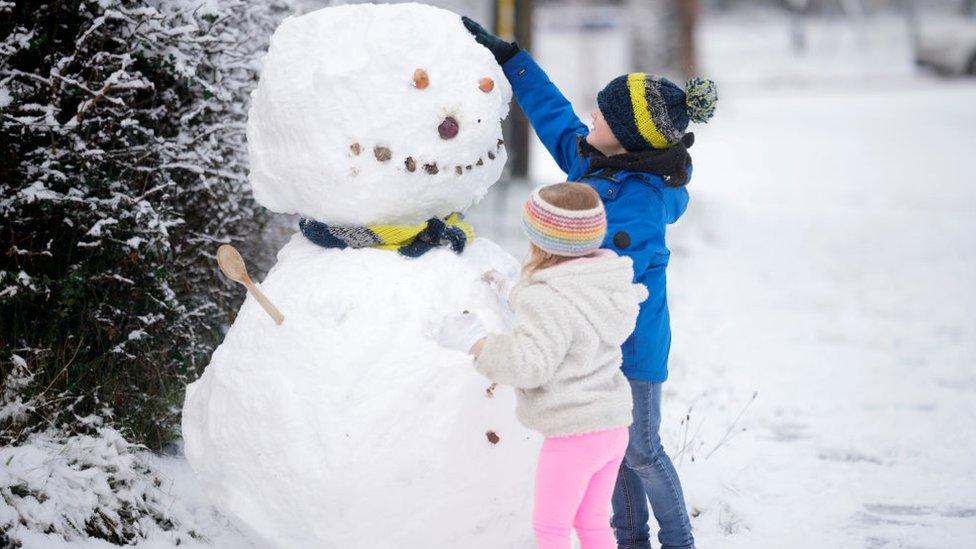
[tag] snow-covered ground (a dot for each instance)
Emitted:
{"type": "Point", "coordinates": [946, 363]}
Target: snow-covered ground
{"type": "Point", "coordinates": [826, 265]}
{"type": "Point", "coordinates": [828, 262]}
{"type": "Point", "coordinates": [88, 476]}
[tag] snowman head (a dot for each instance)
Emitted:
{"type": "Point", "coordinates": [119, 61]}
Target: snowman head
{"type": "Point", "coordinates": [376, 114]}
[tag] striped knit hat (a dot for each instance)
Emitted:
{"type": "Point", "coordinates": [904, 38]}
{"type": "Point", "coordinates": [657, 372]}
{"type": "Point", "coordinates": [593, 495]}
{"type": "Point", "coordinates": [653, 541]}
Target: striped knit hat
{"type": "Point", "coordinates": [559, 231]}
{"type": "Point", "coordinates": [645, 111]}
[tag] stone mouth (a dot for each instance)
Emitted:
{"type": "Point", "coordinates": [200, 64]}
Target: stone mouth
{"type": "Point", "coordinates": [420, 165]}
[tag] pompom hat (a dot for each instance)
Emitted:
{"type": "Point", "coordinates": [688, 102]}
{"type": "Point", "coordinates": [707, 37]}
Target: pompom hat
{"type": "Point", "coordinates": [646, 111]}
{"type": "Point", "coordinates": [563, 232]}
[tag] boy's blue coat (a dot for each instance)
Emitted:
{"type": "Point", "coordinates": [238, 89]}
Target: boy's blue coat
{"type": "Point", "coordinates": [637, 203]}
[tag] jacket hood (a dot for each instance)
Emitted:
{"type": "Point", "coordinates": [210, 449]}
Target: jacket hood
{"type": "Point", "coordinates": [601, 286]}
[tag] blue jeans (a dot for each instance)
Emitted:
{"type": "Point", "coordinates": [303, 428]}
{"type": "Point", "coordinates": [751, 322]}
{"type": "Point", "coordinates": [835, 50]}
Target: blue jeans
{"type": "Point", "coordinates": [648, 474]}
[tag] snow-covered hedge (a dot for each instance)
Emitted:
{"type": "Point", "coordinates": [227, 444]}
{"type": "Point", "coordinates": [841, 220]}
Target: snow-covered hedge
{"type": "Point", "coordinates": [88, 483]}
{"type": "Point", "coordinates": [83, 486]}
{"type": "Point", "coordinates": [122, 166]}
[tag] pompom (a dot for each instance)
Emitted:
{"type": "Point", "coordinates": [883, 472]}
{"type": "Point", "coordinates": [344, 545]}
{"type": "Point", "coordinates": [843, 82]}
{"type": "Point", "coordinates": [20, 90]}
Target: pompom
{"type": "Point", "coordinates": [701, 95]}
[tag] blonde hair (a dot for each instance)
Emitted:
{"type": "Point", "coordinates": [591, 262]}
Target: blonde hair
{"type": "Point", "coordinates": [568, 196]}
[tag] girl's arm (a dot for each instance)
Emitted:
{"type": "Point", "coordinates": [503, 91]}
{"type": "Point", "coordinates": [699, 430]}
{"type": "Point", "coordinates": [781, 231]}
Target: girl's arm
{"type": "Point", "coordinates": [529, 355]}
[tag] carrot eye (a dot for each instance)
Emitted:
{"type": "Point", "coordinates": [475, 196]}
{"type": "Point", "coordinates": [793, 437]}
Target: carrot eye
{"type": "Point", "coordinates": [420, 79]}
{"type": "Point", "coordinates": [486, 84]}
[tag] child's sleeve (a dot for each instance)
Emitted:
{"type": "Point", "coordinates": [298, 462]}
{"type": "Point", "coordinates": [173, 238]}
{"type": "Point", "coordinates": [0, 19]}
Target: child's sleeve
{"type": "Point", "coordinates": [549, 112]}
{"type": "Point", "coordinates": [527, 357]}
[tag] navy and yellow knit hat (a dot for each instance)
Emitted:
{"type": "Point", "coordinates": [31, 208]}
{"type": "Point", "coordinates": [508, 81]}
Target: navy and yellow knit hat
{"type": "Point", "coordinates": [645, 111]}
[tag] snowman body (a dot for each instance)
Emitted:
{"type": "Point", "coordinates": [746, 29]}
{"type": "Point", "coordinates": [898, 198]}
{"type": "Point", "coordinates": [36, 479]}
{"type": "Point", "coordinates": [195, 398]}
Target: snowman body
{"type": "Point", "coordinates": [347, 426]}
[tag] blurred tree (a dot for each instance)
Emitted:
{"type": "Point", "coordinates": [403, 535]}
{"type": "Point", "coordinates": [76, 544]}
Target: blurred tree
{"type": "Point", "coordinates": [688, 13]}
{"type": "Point", "coordinates": [663, 35]}
{"type": "Point", "coordinates": [798, 35]}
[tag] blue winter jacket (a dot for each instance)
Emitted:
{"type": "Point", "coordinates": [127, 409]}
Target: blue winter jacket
{"type": "Point", "coordinates": [639, 206]}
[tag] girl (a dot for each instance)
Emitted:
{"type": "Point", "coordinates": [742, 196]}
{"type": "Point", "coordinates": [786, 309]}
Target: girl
{"type": "Point", "coordinates": [574, 306]}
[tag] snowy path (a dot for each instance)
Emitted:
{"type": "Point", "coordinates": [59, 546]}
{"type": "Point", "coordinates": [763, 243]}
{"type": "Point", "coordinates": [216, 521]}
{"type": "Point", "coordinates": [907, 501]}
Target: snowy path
{"type": "Point", "coordinates": [828, 262]}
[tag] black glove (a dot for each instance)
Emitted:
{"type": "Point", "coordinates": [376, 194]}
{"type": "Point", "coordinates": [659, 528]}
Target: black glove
{"type": "Point", "coordinates": [502, 50]}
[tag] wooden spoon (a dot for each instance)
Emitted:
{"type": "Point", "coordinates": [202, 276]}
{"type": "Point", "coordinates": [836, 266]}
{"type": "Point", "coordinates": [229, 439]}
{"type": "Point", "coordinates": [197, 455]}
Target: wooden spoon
{"type": "Point", "coordinates": [232, 265]}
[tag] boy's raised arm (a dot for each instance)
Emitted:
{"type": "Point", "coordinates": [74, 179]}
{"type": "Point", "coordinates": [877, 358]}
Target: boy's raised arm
{"type": "Point", "coordinates": [549, 112]}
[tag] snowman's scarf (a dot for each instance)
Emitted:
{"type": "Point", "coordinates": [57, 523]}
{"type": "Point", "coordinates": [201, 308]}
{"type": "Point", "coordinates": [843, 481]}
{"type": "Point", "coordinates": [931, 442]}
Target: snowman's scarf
{"type": "Point", "coordinates": [410, 241]}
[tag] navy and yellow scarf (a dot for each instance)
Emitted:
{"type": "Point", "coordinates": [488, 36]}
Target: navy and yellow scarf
{"type": "Point", "coordinates": [407, 240]}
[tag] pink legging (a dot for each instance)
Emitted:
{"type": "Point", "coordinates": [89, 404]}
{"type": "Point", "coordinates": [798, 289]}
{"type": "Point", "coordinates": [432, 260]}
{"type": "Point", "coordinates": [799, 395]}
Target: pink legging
{"type": "Point", "coordinates": [573, 484]}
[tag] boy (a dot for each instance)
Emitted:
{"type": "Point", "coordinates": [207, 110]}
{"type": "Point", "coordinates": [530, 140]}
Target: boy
{"type": "Point", "coordinates": [636, 158]}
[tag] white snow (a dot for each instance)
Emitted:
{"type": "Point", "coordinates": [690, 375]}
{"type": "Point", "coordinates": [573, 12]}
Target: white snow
{"type": "Point", "coordinates": [342, 78]}
{"type": "Point", "coordinates": [37, 191]}
{"type": "Point", "coordinates": [63, 482]}
{"type": "Point", "coordinates": [827, 261]}
{"type": "Point", "coordinates": [96, 229]}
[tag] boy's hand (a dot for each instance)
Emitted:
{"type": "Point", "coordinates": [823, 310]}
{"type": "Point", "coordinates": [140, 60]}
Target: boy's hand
{"type": "Point", "coordinates": [502, 50]}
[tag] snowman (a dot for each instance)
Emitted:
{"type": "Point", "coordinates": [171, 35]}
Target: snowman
{"type": "Point", "coordinates": [347, 426]}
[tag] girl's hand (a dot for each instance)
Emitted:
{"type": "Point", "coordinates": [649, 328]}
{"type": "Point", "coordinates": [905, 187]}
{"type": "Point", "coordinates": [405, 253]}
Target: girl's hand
{"type": "Point", "coordinates": [501, 284]}
{"type": "Point", "coordinates": [462, 332]}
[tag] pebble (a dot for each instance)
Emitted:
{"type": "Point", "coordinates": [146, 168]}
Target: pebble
{"type": "Point", "coordinates": [420, 79]}
{"type": "Point", "coordinates": [382, 153]}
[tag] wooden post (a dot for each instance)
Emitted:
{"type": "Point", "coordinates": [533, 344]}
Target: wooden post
{"type": "Point", "coordinates": [513, 21]}
{"type": "Point", "coordinates": [687, 23]}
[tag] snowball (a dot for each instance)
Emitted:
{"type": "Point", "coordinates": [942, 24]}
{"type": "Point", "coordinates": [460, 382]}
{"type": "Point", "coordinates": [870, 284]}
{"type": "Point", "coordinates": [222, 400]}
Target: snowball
{"type": "Point", "coordinates": [338, 111]}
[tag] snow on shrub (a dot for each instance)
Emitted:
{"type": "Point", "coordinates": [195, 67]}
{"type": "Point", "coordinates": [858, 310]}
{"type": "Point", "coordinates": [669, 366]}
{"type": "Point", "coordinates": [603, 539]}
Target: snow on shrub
{"type": "Point", "coordinates": [83, 486]}
{"type": "Point", "coordinates": [85, 481]}
{"type": "Point", "coordinates": [122, 167]}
